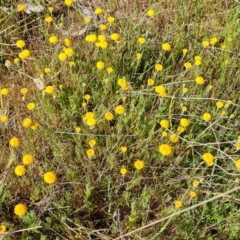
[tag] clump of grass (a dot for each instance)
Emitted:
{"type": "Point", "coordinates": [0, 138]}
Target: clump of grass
{"type": "Point", "coordinates": [116, 118]}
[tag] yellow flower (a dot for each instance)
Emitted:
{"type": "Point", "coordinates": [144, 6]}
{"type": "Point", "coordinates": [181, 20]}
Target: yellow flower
{"type": "Point", "coordinates": [21, 8]}
{"type": "Point", "coordinates": [165, 149]}
{"type": "Point", "coordinates": [205, 43]}
{"type": "Point", "coordinates": [150, 82]}
{"type": "Point", "coordinates": [237, 164]}
{"type": "Point", "coordinates": [50, 177]}
{"type": "Point", "coordinates": [20, 209]}
{"type": "Point", "coordinates": [3, 228]}
{"type": "Point", "coordinates": [103, 45]}
{"type": "Point", "coordinates": [49, 89]}
{"type": "Point", "coordinates": [102, 38]}
{"type": "Point", "coordinates": [213, 40]}
{"type": "Point", "coordinates": [3, 118]}
{"type": "Point", "coordinates": [164, 134]}
{"type": "Point", "coordinates": [5, 91]}
{"type": "Point", "coordinates": [123, 171]}
{"type": "Point", "coordinates": [91, 38]}
{"type": "Point", "coordinates": [166, 46]}
{"type": "Point", "coordinates": [184, 109]}
{"type": "Point", "coordinates": [77, 129]}
{"type": "Point", "coordinates": [62, 56]}
{"type": "Point", "coordinates": [115, 37]}
{"type": "Point", "coordinates": [185, 90]}
{"type": "Point", "coordinates": [20, 43]}
{"type": "Point", "coordinates": [150, 13]}
{"type": "Point", "coordinates": [16, 60]}
{"type": "Point", "coordinates": [180, 129]}
{"type": "Point", "coordinates": [90, 152]}
{"type": "Point", "coordinates": [197, 58]}
{"type": "Point", "coordinates": [174, 138]}
{"type": "Point", "coordinates": [187, 65]}
{"type": "Point", "coordinates": [208, 158]}
{"type": "Point", "coordinates": [119, 109]}
{"type": "Point", "coordinates": [142, 40]}
{"type": "Point", "coordinates": [92, 143]}
{"type": "Point", "coordinates": [139, 164]}
{"type": "Point", "coordinates": [103, 26]}
{"type": "Point", "coordinates": [109, 116]}
{"type": "Point", "coordinates": [27, 122]}
{"type": "Point", "coordinates": [48, 19]}
{"type": "Point", "coordinates": [185, 50]}
{"type": "Point", "coordinates": [164, 123]}
{"type": "Point", "coordinates": [158, 67]}
{"type": "Point", "coordinates": [223, 46]}
{"type": "Point", "coordinates": [219, 104]}
{"type": "Point", "coordinates": [68, 2]}
{"type": "Point", "coordinates": [31, 106]}
{"type": "Point", "coordinates": [53, 39]}
{"type": "Point", "coordinates": [195, 183]}
{"type": "Point", "coordinates": [123, 83]}
{"type": "Point", "coordinates": [87, 97]}
{"type": "Point", "coordinates": [100, 65]}
{"type": "Point", "coordinates": [91, 122]}
{"type": "Point", "coordinates": [98, 11]}
{"type": "Point", "coordinates": [139, 55]}
{"type": "Point", "coordinates": [69, 51]}
{"type": "Point", "coordinates": [23, 90]}
{"type": "Point", "coordinates": [184, 122]}
{"type": "Point", "coordinates": [27, 159]}
{"type": "Point", "coordinates": [199, 80]}
{"type": "Point", "coordinates": [178, 204]}
{"type": "Point", "coordinates": [47, 70]}
{"type": "Point", "coordinates": [160, 89]}
{"type": "Point", "coordinates": [109, 70]}
{"type": "Point", "coordinates": [197, 62]}
{"type": "Point", "coordinates": [14, 142]}
{"type": "Point", "coordinates": [50, 9]}
{"type": "Point", "coordinates": [20, 170]}
{"type": "Point", "coordinates": [87, 19]}
{"type": "Point", "coordinates": [24, 54]}
{"type": "Point", "coordinates": [192, 194]}
{"type": "Point", "coordinates": [123, 149]}
{"type": "Point", "coordinates": [111, 19]}
{"type": "Point", "coordinates": [207, 117]}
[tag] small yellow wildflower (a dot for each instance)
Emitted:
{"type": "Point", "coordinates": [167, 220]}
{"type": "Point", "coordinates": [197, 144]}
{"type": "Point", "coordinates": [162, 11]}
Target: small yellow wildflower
{"type": "Point", "coordinates": [23, 90]}
{"type": "Point", "coordinates": [53, 39]}
{"type": "Point", "coordinates": [91, 38]}
{"type": "Point", "coordinates": [48, 19]}
{"type": "Point", "coordinates": [47, 70]}
{"type": "Point", "coordinates": [3, 118]}
{"type": "Point", "coordinates": [164, 134]}
{"type": "Point", "coordinates": [195, 183]}
{"type": "Point", "coordinates": [91, 122]}
{"type": "Point", "coordinates": [158, 67]}
{"type": "Point", "coordinates": [123, 171]}
{"type": "Point", "coordinates": [150, 82]}
{"type": "Point", "coordinates": [62, 56]}
{"type": "Point", "coordinates": [187, 65]}
{"type": "Point", "coordinates": [27, 159]}
{"type": "Point", "coordinates": [21, 8]}
{"type": "Point", "coordinates": [31, 106]}
{"type": "Point", "coordinates": [100, 65]}
{"type": "Point", "coordinates": [139, 55]}
{"type": "Point", "coordinates": [20, 209]}
{"type": "Point", "coordinates": [102, 38]}
{"type": "Point", "coordinates": [50, 9]}
{"type": "Point", "coordinates": [68, 2]}
{"type": "Point", "coordinates": [223, 46]}
{"type": "Point", "coordinates": [184, 122]}
{"type": "Point", "coordinates": [237, 164]}
{"type": "Point", "coordinates": [77, 129]}
{"type": "Point", "coordinates": [50, 177]}
{"type": "Point", "coordinates": [184, 109]}
{"type": "Point", "coordinates": [166, 46]}
{"type": "Point", "coordinates": [69, 51]}
{"type": "Point", "coordinates": [142, 40]}
{"type": "Point", "coordinates": [98, 11]}
{"type": "Point", "coordinates": [123, 149]}
{"type": "Point", "coordinates": [3, 228]}
{"type": "Point", "coordinates": [205, 43]}
{"type": "Point", "coordinates": [87, 20]}
{"type": "Point", "coordinates": [115, 37]}
{"type": "Point", "coordinates": [27, 122]}
{"type": "Point", "coordinates": [185, 50]}
{"type": "Point", "coordinates": [139, 164]}
{"type": "Point", "coordinates": [208, 158]}
{"type": "Point", "coordinates": [160, 89]}
{"type": "Point", "coordinates": [192, 194]}
{"type": "Point", "coordinates": [49, 89]}
{"type": "Point", "coordinates": [213, 40]}
{"type": "Point", "coordinates": [109, 69]}
{"type": "Point", "coordinates": [150, 13]}
{"type": "Point", "coordinates": [14, 142]}
{"type": "Point", "coordinates": [178, 204]}
{"type": "Point", "coordinates": [219, 104]}
{"type": "Point", "coordinates": [174, 138]}
{"type": "Point", "coordinates": [180, 129]}
{"type": "Point", "coordinates": [92, 143]}
{"type": "Point", "coordinates": [165, 149]}
{"type": "Point", "coordinates": [90, 152]}
{"type": "Point", "coordinates": [16, 60]}
{"type": "Point", "coordinates": [20, 43]}
{"type": "Point", "coordinates": [24, 54]}
{"type": "Point", "coordinates": [103, 26]}
{"type": "Point", "coordinates": [199, 80]}
{"type": "Point", "coordinates": [185, 90]}
{"type": "Point", "coordinates": [87, 97]}
{"type": "Point", "coordinates": [207, 117]}
{"type": "Point", "coordinates": [20, 170]}
{"type": "Point", "coordinates": [164, 123]}
{"type": "Point", "coordinates": [119, 109]}
{"type": "Point", "coordinates": [109, 116]}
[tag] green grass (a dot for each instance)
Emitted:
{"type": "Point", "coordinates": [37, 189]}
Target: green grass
{"type": "Point", "coordinates": [91, 199]}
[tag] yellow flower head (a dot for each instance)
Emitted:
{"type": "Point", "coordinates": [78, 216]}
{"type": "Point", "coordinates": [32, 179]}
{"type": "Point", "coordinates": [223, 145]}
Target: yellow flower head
{"type": "Point", "coordinates": [20, 209]}
{"type": "Point", "coordinates": [3, 118]}
{"type": "Point", "coordinates": [68, 2]}
{"type": "Point", "coordinates": [142, 40]}
{"type": "Point", "coordinates": [109, 116]}
{"type": "Point", "coordinates": [111, 19]}
{"type": "Point", "coordinates": [119, 109]}
{"type": "Point", "coordinates": [68, 51]}
{"type": "Point", "coordinates": [27, 159]}
{"type": "Point", "coordinates": [20, 170]}
{"type": "Point", "coordinates": [208, 158]}
{"type": "Point", "coordinates": [21, 8]}
{"type": "Point", "coordinates": [123, 171]}
{"type": "Point", "coordinates": [174, 138]}
{"type": "Point", "coordinates": [48, 19]}
{"type": "Point", "coordinates": [164, 123]}
{"type": "Point", "coordinates": [23, 90]}
{"type": "Point", "coordinates": [3, 228]}
{"type": "Point", "coordinates": [77, 129]}
{"type": "Point", "coordinates": [150, 82]}
{"type": "Point", "coordinates": [14, 142]}
{"type": "Point", "coordinates": [91, 38]}
{"type": "Point", "coordinates": [185, 50]}
{"type": "Point", "coordinates": [199, 80]}
{"type": "Point", "coordinates": [150, 13]}
{"type": "Point", "coordinates": [158, 67]}
{"type": "Point", "coordinates": [187, 65]}
{"type": "Point", "coordinates": [27, 122]}
{"type": "Point", "coordinates": [87, 20]}
{"type": "Point", "coordinates": [115, 37]}
{"type": "Point", "coordinates": [90, 152]}
{"type": "Point", "coordinates": [178, 204]}
{"type": "Point", "coordinates": [91, 122]}
{"type": "Point", "coordinates": [98, 11]}
{"type": "Point", "coordinates": [207, 117]}
{"type": "Point", "coordinates": [165, 149]}
{"type": "Point", "coordinates": [139, 164]}
{"type": "Point", "coordinates": [213, 40]}
{"type": "Point", "coordinates": [5, 91]}
{"type": "Point", "coordinates": [237, 164]}
{"type": "Point", "coordinates": [50, 177]}
{"type": "Point", "coordinates": [123, 149]}
{"type": "Point", "coordinates": [166, 46]}
{"type": "Point", "coordinates": [205, 43]}
{"type": "Point", "coordinates": [31, 106]}
{"type": "Point", "coordinates": [160, 89]}
{"type": "Point", "coordinates": [24, 54]}
{"type": "Point", "coordinates": [20, 43]}
{"type": "Point", "coordinates": [219, 104]}
{"type": "Point", "coordinates": [103, 26]}
{"type": "Point", "coordinates": [192, 194]}
{"type": "Point", "coordinates": [195, 183]}
{"type": "Point", "coordinates": [49, 89]}
{"type": "Point", "coordinates": [100, 65]}
{"type": "Point", "coordinates": [92, 143]}
{"type": "Point", "coordinates": [184, 122]}
{"type": "Point", "coordinates": [62, 56]}
{"type": "Point", "coordinates": [53, 39]}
